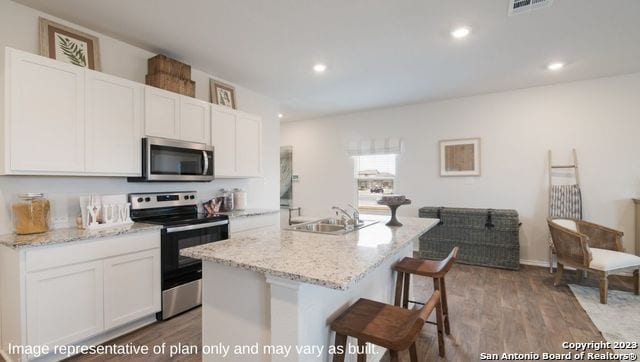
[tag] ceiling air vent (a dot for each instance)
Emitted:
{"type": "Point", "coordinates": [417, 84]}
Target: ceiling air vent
{"type": "Point", "coordinates": [517, 7]}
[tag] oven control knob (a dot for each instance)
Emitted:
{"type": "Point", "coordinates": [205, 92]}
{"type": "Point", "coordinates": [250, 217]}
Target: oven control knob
{"type": "Point", "coordinates": [186, 197]}
{"type": "Point", "coordinates": [192, 197]}
{"type": "Point", "coordinates": [147, 199]}
{"type": "Point", "coordinates": [140, 199]}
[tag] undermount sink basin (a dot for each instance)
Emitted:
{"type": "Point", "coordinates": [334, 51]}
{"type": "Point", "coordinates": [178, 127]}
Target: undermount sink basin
{"type": "Point", "coordinates": [330, 226]}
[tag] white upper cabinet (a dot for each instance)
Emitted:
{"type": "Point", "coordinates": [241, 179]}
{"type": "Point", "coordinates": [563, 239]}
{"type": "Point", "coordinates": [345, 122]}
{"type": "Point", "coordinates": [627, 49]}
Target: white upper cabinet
{"type": "Point", "coordinates": [237, 140]}
{"type": "Point", "coordinates": [223, 139]}
{"type": "Point", "coordinates": [161, 113]}
{"type": "Point", "coordinates": [195, 120]}
{"type": "Point", "coordinates": [174, 116]}
{"type": "Point", "coordinates": [113, 125]}
{"type": "Point", "coordinates": [249, 145]}
{"type": "Point", "coordinates": [44, 122]}
{"type": "Point", "coordinates": [61, 119]}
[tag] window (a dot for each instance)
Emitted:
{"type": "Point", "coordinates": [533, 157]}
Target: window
{"type": "Point", "coordinates": [375, 176]}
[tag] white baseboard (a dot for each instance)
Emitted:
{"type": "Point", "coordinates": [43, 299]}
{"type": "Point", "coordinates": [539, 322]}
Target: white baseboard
{"type": "Point", "coordinates": [535, 262]}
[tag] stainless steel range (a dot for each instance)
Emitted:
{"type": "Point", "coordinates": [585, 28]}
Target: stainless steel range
{"type": "Point", "coordinates": [184, 227]}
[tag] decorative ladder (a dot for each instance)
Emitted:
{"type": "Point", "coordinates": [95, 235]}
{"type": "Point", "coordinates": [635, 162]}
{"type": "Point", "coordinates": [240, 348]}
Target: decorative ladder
{"type": "Point", "coordinates": [552, 167]}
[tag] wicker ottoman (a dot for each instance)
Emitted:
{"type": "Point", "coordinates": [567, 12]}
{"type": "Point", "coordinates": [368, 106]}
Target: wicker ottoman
{"type": "Point", "coordinates": [486, 237]}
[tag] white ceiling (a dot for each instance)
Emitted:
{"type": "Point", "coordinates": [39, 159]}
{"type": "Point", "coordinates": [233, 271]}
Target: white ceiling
{"type": "Point", "coordinates": [379, 53]}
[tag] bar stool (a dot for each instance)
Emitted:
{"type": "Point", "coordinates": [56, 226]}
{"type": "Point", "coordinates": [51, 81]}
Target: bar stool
{"type": "Point", "coordinates": [428, 268]}
{"type": "Point", "coordinates": [386, 325]}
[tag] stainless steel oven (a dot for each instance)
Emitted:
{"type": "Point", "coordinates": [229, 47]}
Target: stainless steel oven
{"type": "Point", "coordinates": [171, 160]}
{"type": "Point", "coordinates": [183, 227]}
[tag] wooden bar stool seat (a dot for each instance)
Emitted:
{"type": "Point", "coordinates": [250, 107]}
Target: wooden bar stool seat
{"type": "Point", "coordinates": [385, 325]}
{"type": "Point", "coordinates": [436, 269]}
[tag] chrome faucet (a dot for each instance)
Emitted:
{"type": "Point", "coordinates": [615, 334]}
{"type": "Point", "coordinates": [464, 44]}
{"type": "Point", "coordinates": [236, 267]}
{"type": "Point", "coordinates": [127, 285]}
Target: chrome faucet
{"type": "Point", "coordinates": [355, 218]}
{"type": "Point", "coordinates": [356, 214]}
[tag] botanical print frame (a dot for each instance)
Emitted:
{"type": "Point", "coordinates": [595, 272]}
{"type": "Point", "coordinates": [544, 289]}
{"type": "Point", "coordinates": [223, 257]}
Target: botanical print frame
{"type": "Point", "coordinates": [223, 94]}
{"type": "Point", "coordinates": [68, 45]}
{"type": "Point", "coordinates": [460, 157]}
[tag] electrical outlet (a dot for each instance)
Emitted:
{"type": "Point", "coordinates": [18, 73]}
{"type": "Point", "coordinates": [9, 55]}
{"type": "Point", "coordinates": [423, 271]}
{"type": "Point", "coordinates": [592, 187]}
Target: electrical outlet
{"type": "Point", "coordinates": [60, 221]}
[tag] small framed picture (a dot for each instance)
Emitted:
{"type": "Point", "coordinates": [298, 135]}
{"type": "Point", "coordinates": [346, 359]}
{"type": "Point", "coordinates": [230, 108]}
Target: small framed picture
{"type": "Point", "coordinates": [223, 94]}
{"type": "Point", "coordinates": [460, 157]}
{"type": "Point", "coordinates": [68, 45]}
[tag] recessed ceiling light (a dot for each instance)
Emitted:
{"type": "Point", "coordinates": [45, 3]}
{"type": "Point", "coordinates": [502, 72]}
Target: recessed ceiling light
{"type": "Point", "coordinates": [319, 68]}
{"type": "Point", "coordinates": [555, 66]}
{"type": "Point", "coordinates": [461, 32]}
{"type": "Point", "coordinates": [280, 115]}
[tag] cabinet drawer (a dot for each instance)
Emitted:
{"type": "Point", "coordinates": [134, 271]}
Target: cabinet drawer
{"type": "Point", "coordinates": [83, 251]}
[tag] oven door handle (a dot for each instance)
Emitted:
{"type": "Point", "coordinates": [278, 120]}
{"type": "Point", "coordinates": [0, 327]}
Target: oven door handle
{"type": "Point", "coordinates": [206, 163]}
{"type": "Point", "coordinates": [196, 226]}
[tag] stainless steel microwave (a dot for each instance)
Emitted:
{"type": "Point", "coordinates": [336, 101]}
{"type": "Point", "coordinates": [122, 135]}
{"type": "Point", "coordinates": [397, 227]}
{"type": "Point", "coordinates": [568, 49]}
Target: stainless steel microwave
{"type": "Point", "coordinates": [167, 160]}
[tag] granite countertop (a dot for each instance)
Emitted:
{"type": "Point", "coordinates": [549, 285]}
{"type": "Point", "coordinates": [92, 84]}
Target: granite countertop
{"type": "Point", "coordinates": [249, 212]}
{"type": "Point", "coordinates": [333, 261]}
{"type": "Point", "coordinates": [71, 234]}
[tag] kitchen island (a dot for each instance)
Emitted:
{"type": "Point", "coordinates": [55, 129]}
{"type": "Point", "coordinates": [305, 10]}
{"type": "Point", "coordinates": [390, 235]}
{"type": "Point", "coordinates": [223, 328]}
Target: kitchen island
{"type": "Point", "coordinates": [271, 292]}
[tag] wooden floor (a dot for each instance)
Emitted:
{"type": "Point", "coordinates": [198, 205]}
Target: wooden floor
{"type": "Point", "coordinates": [492, 311]}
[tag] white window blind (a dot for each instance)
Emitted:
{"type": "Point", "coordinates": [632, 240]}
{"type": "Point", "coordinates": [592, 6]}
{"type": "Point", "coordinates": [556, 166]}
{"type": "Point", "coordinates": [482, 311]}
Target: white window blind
{"type": "Point", "coordinates": [381, 163]}
{"type": "Point", "coordinates": [382, 146]}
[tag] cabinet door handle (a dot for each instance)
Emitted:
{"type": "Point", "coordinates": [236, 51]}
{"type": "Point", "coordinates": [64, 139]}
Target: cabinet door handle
{"type": "Point", "coordinates": [196, 226]}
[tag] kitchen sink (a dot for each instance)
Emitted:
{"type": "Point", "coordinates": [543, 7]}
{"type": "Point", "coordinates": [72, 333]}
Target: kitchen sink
{"type": "Point", "coordinates": [330, 226]}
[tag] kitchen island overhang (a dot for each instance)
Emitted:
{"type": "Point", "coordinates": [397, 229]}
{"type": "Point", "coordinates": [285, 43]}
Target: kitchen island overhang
{"type": "Point", "coordinates": [270, 291]}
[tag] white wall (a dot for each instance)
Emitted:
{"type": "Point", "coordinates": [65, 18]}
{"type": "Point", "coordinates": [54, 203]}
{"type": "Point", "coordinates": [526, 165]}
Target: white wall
{"type": "Point", "coordinates": [600, 118]}
{"type": "Point", "coordinates": [19, 29]}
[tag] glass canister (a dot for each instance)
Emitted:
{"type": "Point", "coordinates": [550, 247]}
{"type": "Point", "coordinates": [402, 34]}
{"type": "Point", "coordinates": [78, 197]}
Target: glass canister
{"type": "Point", "coordinates": [227, 203]}
{"type": "Point", "coordinates": [30, 214]}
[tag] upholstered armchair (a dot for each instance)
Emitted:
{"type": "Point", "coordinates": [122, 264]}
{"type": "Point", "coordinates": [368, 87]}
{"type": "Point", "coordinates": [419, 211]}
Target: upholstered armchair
{"type": "Point", "coordinates": [593, 248]}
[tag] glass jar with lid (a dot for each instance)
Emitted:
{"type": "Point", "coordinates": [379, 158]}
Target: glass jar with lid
{"type": "Point", "coordinates": [30, 213]}
{"type": "Point", "coordinates": [227, 200]}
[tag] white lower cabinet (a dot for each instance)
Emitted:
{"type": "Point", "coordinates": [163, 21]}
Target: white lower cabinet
{"type": "Point", "coordinates": [128, 298]}
{"type": "Point", "coordinates": [83, 292]}
{"type": "Point", "coordinates": [249, 223]}
{"type": "Point", "coordinates": [64, 304]}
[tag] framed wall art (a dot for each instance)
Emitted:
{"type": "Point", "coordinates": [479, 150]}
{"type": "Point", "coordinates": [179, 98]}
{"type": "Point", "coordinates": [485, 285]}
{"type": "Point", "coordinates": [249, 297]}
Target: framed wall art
{"type": "Point", "coordinates": [223, 94]}
{"type": "Point", "coordinates": [460, 157]}
{"type": "Point", "coordinates": [68, 45]}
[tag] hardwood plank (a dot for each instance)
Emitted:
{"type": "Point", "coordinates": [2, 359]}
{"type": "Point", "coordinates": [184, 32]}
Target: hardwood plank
{"type": "Point", "coordinates": [491, 311]}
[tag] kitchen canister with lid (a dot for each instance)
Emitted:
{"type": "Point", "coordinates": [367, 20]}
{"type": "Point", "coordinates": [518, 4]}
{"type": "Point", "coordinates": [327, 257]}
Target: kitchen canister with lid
{"type": "Point", "coordinates": [30, 213]}
{"type": "Point", "coordinates": [239, 199]}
